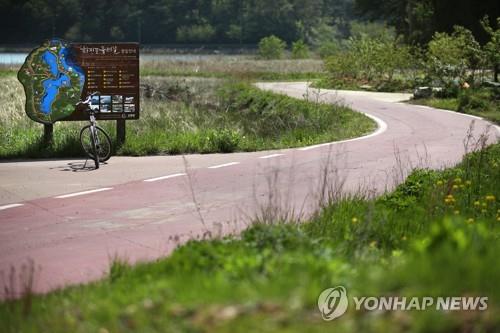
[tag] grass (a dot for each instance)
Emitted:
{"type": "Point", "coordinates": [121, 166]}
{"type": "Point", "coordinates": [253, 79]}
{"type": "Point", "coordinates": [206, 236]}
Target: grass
{"type": "Point", "coordinates": [189, 115]}
{"type": "Point", "coordinates": [483, 102]}
{"type": "Point", "coordinates": [437, 234]}
{"type": "Point", "coordinates": [236, 67]}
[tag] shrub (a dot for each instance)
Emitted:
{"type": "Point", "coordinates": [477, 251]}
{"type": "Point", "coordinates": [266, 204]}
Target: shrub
{"type": "Point", "coordinates": [375, 61]}
{"type": "Point", "coordinates": [300, 50]}
{"type": "Point", "coordinates": [328, 49]}
{"type": "Point", "coordinates": [453, 58]}
{"type": "Point", "coordinates": [271, 47]}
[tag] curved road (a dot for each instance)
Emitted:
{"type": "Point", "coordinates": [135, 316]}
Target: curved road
{"type": "Point", "coordinates": [71, 222]}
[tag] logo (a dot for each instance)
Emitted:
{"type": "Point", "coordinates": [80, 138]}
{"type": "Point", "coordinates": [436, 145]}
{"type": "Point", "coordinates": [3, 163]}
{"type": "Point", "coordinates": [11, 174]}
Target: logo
{"type": "Point", "coordinates": [332, 302]}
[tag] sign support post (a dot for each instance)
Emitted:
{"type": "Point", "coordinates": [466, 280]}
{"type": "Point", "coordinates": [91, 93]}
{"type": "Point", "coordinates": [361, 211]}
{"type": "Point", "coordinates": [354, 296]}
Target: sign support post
{"type": "Point", "coordinates": [120, 131]}
{"type": "Point", "coordinates": [48, 133]}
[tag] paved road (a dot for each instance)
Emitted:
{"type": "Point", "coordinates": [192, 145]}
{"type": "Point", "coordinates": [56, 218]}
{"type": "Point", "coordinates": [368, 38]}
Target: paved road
{"type": "Point", "coordinates": [71, 221]}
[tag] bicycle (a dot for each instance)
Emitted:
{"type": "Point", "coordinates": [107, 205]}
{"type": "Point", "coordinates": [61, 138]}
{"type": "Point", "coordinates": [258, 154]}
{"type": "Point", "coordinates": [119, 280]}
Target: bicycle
{"type": "Point", "coordinates": [94, 140]}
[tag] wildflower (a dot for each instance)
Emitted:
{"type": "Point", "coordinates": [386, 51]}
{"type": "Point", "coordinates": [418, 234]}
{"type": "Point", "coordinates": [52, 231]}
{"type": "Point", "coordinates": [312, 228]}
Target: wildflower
{"type": "Point", "coordinates": [484, 204]}
{"type": "Point", "coordinates": [449, 199]}
{"type": "Point", "coordinates": [456, 212]}
{"type": "Point", "coordinates": [483, 211]}
{"type": "Point", "coordinates": [468, 183]}
{"type": "Point", "coordinates": [470, 221]}
{"type": "Point", "coordinates": [403, 238]}
{"type": "Point", "coordinates": [462, 186]}
{"type": "Point", "coordinates": [498, 218]}
{"type": "Point", "coordinates": [477, 203]}
{"type": "Point", "coordinates": [354, 220]}
{"type": "Point", "coordinates": [457, 180]}
{"type": "Point", "coordinates": [373, 244]}
{"type": "Point", "coordinates": [455, 187]}
{"type": "Point", "coordinates": [439, 183]}
{"type": "Point", "coordinates": [490, 197]}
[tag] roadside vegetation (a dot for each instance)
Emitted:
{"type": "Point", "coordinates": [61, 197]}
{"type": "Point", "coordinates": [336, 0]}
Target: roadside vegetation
{"type": "Point", "coordinates": [189, 116]}
{"type": "Point", "coordinates": [437, 234]}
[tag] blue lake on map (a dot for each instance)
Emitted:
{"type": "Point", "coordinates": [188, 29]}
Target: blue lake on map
{"type": "Point", "coordinates": [51, 86]}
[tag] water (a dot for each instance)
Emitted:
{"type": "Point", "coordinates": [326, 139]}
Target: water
{"type": "Point", "coordinates": [10, 58]}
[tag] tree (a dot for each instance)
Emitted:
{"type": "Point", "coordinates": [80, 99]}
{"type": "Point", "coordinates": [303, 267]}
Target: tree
{"type": "Point", "coordinates": [492, 48]}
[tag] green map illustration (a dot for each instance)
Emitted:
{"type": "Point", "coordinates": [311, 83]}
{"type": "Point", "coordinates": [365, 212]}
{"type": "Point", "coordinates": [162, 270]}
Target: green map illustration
{"type": "Point", "coordinates": [52, 80]}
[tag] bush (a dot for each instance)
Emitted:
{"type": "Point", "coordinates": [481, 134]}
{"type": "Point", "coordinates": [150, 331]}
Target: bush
{"type": "Point", "coordinates": [271, 47]}
{"type": "Point", "coordinates": [374, 61]}
{"type": "Point", "coordinates": [300, 50]}
{"type": "Point", "coordinates": [453, 58]}
{"type": "Point", "coordinates": [328, 49]}
{"type": "Point", "coordinates": [476, 100]}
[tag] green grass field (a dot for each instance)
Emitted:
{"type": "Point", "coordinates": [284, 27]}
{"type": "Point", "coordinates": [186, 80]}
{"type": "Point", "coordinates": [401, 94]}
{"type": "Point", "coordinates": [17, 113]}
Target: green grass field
{"type": "Point", "coordinates": [437, 234]}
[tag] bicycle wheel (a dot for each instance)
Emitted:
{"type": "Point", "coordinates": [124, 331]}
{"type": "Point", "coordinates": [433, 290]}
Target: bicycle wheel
{"type": "Point", "coordinates": [103, 144]}
{"type": "Point", "coordinates": [88, 142]}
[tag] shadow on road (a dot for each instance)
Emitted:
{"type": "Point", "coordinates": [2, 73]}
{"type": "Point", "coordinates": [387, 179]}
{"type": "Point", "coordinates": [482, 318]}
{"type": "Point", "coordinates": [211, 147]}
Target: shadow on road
{"type": "Point", "coordinates": [86, 166]}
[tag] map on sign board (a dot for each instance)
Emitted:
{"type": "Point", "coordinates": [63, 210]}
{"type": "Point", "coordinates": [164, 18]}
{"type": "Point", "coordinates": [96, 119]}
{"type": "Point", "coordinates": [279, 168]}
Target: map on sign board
{"type": "Point", "coordinates": [57, 75]}
{"type": "Point", "coordinates": [52, 80]}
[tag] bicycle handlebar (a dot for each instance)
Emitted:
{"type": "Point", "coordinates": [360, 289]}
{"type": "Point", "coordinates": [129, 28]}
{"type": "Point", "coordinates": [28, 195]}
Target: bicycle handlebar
{"type": "Point", "coordinates": [88, 99]}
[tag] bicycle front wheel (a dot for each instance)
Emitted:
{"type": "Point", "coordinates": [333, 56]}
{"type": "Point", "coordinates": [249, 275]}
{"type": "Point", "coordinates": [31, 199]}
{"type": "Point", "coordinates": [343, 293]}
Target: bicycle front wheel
{"type": "Point", "coordinates": [101, 140]}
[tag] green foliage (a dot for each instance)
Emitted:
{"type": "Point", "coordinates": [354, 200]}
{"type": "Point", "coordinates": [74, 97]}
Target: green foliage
{"type": "Point", "coordinates": [454, 58]}
{"type": "Point", "coordinates": [300, 50]}
{"type": "Point", "coordinates": [328, 49]}
{"type": "Point", "coordinates": [381, 62]}
{"type": "Point", "coordinates": [224, 141]}
{"type": "Point", "coordinates": [417, 20]}
{"type": "Point", "coordinates": [407, 194]}
{"type": "Point", "coordinates": [195, 33]}
{"type": "Point", "coordinates": [271, 47]}
{"type": "Point", "coordinates": [492, 48]}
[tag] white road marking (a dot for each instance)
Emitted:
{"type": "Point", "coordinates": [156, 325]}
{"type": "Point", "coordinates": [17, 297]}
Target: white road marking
{"type": "Point", "coordinates": [382, 127]}
{"type": "Point", "coordinates": [223, 165]}
{"type": "Point", "coordinates": [165, 177]}
{"type": "Point", "coordinates": [83, 193]}
{"type": "Point", "coordinates": [10, 206]}
{"type": "Point", "coordinates": [271, 156]}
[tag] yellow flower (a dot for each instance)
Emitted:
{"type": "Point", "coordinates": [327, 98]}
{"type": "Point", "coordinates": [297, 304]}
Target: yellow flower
{"type": "Point", "coordinates": [439, 182]}
{"type": "Point", "coordinates": [484, 204]}
{"type": "Point", "coordinates": [455, 187]}
{"type": "Point", "coordinates": [471, 220]}
{"type": "Point", "coordinates": [468, 183]}
{"type": "Point", "coordinates": [498, 218]}
{"type": "Point", "coordinates": [457, 180]}
{"type": "Point", "coordinates": [354, 220]}
{"type": "Point", "coordinates": [477, 203]}
{"type": "Point", "coordinates": [490, 197]}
